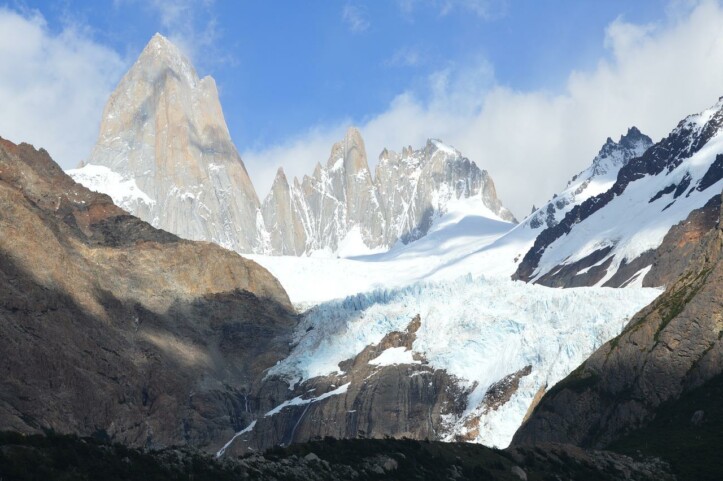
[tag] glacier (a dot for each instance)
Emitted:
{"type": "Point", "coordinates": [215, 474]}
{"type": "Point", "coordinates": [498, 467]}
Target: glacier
{"type": "Point", "coordinates": [478, 329]}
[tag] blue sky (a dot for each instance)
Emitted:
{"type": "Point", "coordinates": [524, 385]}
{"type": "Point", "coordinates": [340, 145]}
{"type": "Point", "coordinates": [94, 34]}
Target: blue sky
{"type": "Point", "coordinates": [283, 66]}
{"type": "Point", "coordinates": [292, 75]}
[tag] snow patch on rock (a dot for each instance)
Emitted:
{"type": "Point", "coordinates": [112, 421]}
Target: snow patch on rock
{"type": "Point", "coordinates": [124, 191]}
{"type": "Point", "coordinates": [394, 355]}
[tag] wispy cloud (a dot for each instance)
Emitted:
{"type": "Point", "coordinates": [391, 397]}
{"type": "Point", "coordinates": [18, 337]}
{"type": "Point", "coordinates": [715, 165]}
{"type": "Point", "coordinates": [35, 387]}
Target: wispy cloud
{"type": "Point", "coordinates": [484, 9]}
{"type": "Point", "coordinates": [190, 24]}
{"type": "Point", "coordinates": [404, 57]}
{"type": "Point", "coordinates": [355, 18]}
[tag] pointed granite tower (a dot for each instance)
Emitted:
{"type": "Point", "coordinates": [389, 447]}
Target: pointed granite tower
{"type": "Point", "coordinates": [163, 128]}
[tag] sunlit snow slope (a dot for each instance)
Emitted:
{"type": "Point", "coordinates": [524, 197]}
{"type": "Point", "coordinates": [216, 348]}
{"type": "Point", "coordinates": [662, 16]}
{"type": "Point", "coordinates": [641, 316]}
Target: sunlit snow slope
{"type": "Point", "coordinates": [467, 227]}
{"type": "Point", "coordinates": [623, 225]}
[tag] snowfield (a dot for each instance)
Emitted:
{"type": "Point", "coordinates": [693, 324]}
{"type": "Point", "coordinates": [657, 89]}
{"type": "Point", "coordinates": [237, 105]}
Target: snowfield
{"type": "Point", "coordinates": [468, 228]}
{"type": "Point", "coordinates": [631, 223]}
{"type": "Point", "coordinates": [477, 329]}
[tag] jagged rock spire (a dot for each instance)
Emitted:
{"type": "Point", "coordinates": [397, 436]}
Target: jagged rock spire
{"type": "Point", "coordinates": [342, 205]}
{"type": "Point", "coordinates": [163, 129]}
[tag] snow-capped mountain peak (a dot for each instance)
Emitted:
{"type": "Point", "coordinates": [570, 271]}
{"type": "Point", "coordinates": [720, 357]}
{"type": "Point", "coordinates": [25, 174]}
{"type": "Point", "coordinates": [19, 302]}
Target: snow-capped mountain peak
{"type": "Point", "coordinates": [342, 205]}
{"type": "Point", "coordinates": [616, 232]}
{"type": "Point", "coordinates": [614, 155]}
{"type": "Point", "coordinates": [163, 128]}
{"type": "Point", "coordinates": [597, 178]}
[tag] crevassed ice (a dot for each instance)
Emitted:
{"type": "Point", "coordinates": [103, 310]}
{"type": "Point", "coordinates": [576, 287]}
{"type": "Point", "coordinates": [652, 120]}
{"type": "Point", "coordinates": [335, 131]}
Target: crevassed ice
{"type": "Point", "coordinates": [479, 330]}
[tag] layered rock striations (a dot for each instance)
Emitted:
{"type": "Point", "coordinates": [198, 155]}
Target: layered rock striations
{"type": "Point", "coordinates": [163, 137]}
{"type": "Point", "coordinates": [111, 327]}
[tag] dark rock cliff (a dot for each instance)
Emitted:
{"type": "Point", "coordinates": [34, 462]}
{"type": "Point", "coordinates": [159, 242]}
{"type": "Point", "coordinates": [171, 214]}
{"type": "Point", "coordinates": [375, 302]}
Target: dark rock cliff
{"type": "Point", "coordinates": [113, 328]}
{"type": "Point", "coordinates": [400, 400]}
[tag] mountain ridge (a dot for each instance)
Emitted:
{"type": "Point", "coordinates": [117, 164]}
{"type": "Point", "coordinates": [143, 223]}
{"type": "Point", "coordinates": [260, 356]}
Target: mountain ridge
{"type": "Point", "coordinates": [342, 207]}
{"type": "Point", "coordinates": [164, 153]}
{"type": "Point", "coordinates": [628, 221]}
{"type": "Point", "coordinates": [668, 352]}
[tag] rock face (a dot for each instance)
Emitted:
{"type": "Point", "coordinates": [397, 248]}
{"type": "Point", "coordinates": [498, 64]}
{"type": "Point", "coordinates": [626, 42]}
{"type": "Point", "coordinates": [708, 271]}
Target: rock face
{"type": "Point", "coordinates": [285, 217]}
{"type": "Point", "coordinates": [670, 348]}
{"type": "Point", "coordinates": [165, 155]}
{"type": "Point", "coordinates": [598, 241]}
{"type": "Point", "coordinates": [369, 400]}
{"type": "Point", "coordinates": [418, 185]}
{"type": "Point", "coordinates": [114, 328]}
{"type": "Point", "coordinates": [343, 209]}
{"type": "Point", "coordinates": [337, 203]}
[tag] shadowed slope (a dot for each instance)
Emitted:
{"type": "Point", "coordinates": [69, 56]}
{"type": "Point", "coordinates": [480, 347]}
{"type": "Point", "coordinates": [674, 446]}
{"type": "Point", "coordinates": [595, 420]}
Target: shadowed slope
{"type": "Point", "coordinates": [111, 326]}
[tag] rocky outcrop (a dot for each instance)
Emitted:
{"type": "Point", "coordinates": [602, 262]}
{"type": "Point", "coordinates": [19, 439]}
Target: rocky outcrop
{"type": "Point", "coordinates": [165, 155]}
{"type": "Point", "coordinates": [671, 259]}
{"type": "Point", "coordinates": [339, 200]}
{"type": "Point", "coordinates": [343, 209]}
{"type": "Point", "coordinates": [601, 238]}
{"type": "Point", "coordinates": [114, 328]}
{"type": "Point", "coordinates": [418, 185]}
{"type": "Point", "coordinates": [670, 348]}
{"type": "Point", "coordinates": [282, 210]}
{"type": "Point", "coordinates": [366, 399]}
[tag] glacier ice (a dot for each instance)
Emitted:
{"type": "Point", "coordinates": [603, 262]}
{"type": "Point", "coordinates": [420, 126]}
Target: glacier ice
{"type": "Point", "coordinates": [478, 329]}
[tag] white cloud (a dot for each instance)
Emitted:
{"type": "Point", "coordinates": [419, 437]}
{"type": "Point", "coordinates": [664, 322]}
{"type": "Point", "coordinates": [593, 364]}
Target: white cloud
{"type": "Point", "coordinates": [532, 142]}
{"type": "Point", "coordinates": [355, 18]}
{"type": "Point", "coordinates": [53, 86]}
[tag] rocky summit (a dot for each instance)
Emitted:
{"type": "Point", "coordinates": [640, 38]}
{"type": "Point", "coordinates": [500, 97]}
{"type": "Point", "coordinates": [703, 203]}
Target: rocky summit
{"type": "Point", "coordinates": [165, 155]}
{"type": "Point", "coordinates": [343, 209]}
{"type": "Point", "coordinates": [614, 238]}
{"type": "Point", "coordinates": [598, 177]}
{"type": "Point", "coordinates": [113, 328]}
